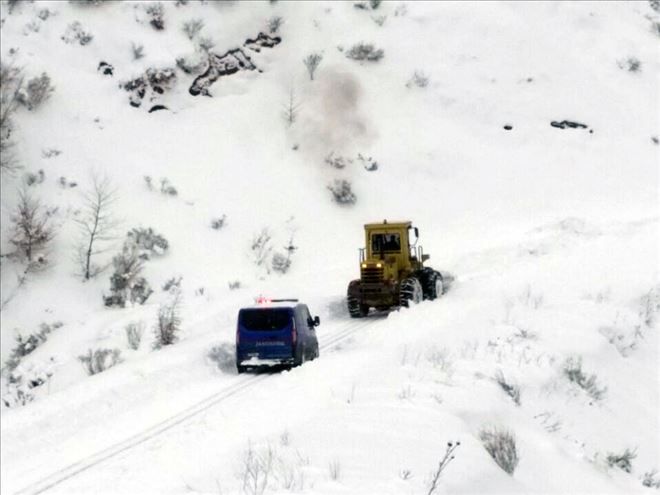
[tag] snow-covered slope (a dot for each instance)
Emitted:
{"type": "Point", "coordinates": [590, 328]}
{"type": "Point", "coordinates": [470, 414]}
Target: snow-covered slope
{"type": "Point", "coordinates": [552, 235]}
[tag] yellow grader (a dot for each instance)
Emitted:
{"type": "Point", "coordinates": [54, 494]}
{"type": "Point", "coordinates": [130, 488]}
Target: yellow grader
{"type": "Point", "coordinates": [392, 271]}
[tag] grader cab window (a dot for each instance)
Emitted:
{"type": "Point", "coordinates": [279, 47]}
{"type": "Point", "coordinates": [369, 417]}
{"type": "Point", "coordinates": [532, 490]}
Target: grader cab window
{"type": "Point", "coordinates": [385, 243]}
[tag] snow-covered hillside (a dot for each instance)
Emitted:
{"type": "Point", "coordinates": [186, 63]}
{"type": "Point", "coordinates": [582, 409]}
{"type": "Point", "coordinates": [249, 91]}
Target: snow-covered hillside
{"type": "Point", "coordinates": [468, 125]}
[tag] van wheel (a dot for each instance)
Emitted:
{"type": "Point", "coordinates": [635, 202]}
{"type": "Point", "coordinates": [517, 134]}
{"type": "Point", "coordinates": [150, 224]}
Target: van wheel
{"type": "Point", "coordinates": [241, 369]}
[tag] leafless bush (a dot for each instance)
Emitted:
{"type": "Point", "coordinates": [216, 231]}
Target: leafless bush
{"type": "Point", "coordinates": [291, 108]}
{"type": "Point", "coordinates": [312, 62]}
{"type": "Point", "coordinates": [281, 263]}
{"type": "Point", "coordinates": [334, 469]}
{"type": "Point", "coordinates": [76, 33]}
{"type": "Point", "coordinates": [192, 27]}
{"type": "Point", "coordinates": [650, 306]}
{"type": "Point", "coordinates": [27, 344]}
{"type": "Point", "coordinates": [137, 50]}
{"type": "Point", "coordinates": [156, 12]}
{"type": "Point", "coordinates": [148, 241]}
{"type": "Point", "coordinates": [419, 79]}
{"type": "Point", "coordinates": [98, 360]}
{"type": "Point", "coordinates": [236, 284]}
{"type": "Point", "coordinates": [36, 91]}
{"type": "Point", "coordinates": [365, 52]}
{"type": "Point", "coordinates": [169, 322]}
{"type": "Point", "coordinates": [31, 230]}
{"type": "Point", "coordinates": [205, 44]}
{"type": "Point", "coordinates": [501, 445]}
{"type": "Point", "coordinates": [274, 24]}
{"type": "Point", "coordinates": [96, 224]}
{"type": "Point", "coordinates": [167, 188]}
{"type": "Point", "coordinates": [125, 282]}
{"type": "Point", "coordinates": [219, 222]}
{"type": "Point", "coordinates": [631, 64]}
{"type": "Point", "coordinates": [649, 481]}
{"type": "Point", "coordinates": [623, 460]}
{"type": "Point", "coordinates": [261, 248]}
{"type": "Point", "coordinates": [444, 462]}
{"type": "Point", "coordinates": [11, 84]}
{"type": "Point", "coordinates": [32, 179]}
{"type": "Point", "coordinates": [134, 332]}
{"type": "Point", "coordinates": [172, 284]}
{"type": "Point", "coordinates": [572, 369]}
{"type": "Point", "coordinates": [342, 192]}
{"type": "Point", "coordinates": [511, 389]}
{"type": "Point", "coordinates": [256, 469]}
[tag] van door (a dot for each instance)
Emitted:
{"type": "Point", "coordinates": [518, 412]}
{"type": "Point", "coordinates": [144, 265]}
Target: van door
{"type": "Point", "coordinates": [265, 333]}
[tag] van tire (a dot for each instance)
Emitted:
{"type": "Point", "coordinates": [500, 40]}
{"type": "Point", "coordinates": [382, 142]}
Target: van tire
{"type": "Point", "coordinates": [241, 369]}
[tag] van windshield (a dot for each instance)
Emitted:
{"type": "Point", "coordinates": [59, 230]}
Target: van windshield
{"type": "Point", "coordinates": [265, 319]}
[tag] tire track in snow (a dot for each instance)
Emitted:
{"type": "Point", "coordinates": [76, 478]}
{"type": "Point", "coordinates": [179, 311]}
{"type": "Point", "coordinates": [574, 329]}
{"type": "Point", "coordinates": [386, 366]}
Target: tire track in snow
{"type": "Point", "coordinates": [72, 470]}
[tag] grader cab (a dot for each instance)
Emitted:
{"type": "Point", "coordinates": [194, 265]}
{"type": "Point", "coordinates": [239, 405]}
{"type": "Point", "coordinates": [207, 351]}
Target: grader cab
{"type": "Point", "coordinates": [392, 271]}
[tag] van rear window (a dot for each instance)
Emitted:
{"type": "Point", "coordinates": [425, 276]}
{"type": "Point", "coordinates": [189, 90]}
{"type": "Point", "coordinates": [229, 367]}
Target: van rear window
{"type": "Point", "coordinates": [265, 319]}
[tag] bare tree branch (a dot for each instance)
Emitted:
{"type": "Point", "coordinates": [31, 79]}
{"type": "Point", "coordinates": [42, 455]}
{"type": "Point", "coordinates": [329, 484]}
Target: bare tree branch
{"type": "Point", "coordinates": [96, 225]}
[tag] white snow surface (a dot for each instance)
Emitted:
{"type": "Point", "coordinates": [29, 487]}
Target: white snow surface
{"type": "Point", "coordinates": [552, 236]}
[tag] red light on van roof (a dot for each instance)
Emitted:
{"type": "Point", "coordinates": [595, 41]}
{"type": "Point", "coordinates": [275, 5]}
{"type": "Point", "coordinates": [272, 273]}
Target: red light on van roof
{"type": "Point", "coordinates": [262, 300]}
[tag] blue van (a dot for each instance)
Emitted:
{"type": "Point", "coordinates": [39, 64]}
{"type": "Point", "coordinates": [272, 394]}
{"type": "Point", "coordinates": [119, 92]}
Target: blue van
{"type": "Point", "coordinates": [275, 332]}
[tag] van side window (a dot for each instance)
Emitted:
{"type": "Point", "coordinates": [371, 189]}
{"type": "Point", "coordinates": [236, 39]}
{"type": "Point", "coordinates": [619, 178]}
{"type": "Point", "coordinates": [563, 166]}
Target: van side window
{"type": "Point", "coordinates": [306, 317]}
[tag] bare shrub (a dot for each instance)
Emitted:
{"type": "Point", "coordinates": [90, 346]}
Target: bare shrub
{"type": "Point", "coordinates": [96, 225]}
{"type": "Point", "coordinates": [418, 79]}
{"type": "Point", "coordinates": [501, 445]}
{"type": "Point", "coordinates": [167, 188]}
{"type": "Point", "coordinates": [312, 62]}
{"type": "Point", "coordinates": [256, 469]}
{"type": "Point", "coordinates": [280, 263]}
{"type": "Point", "coordinates": [205, 44]}
{"type": "Point", "coordinates": [36, 91]}
{"type": "Point", "coordinates": [156, 12]}
{"type": "Point", "coordinates": [31, 230]}
{"type": "Point", "coordinates": [148, 241]}
{"type": "Point", "coordinates": [334, 469]}
{"type": "Point", "coordinates": [444, 462]}
{"type": "Point", "coordinates": [125, 282]}
{"type": "Point", "coordinates": [511, 389]}
{"type": "Point", "coordinates": [274, 24]}
{"type": "Point", "coordinates": [134, 332]}
{"type": "Point", "coordinates": [192, 27]}
{"type": "Point", "coordinates": [261, 248]}
{"type": "Point", "coordinates": [137, 50]}
{"type": "Point", "coordinates": [623, 460]}
{"type": "Point", "coordinates": [236, 284]}
{"type": "Point", "coordinates": [168, 323]}
{"type": "Point", "coordinates": [11, 84]}
{"type": "Point", "coordinates": [27, 344]}
{"type": "Point", "coordinates": [650, 306]}
{"type": "Point", "coordinates": [76, 33]}
{"type": "Point", "coordinates": [291, 108]}
{"type": "Point", "coordinates": [649, 481]}
{"type": "Point", "coordinates": [98, 360]}
{"type": "Point", "coordinates": [32, 179]}
{"type": "Point", "coordinates": [172, 284]}
{"type": "Point", "coordinates": [572, 370]}
{"type": "Point", "coordinates": [630, 64]}
{"type": "Point", "coordinates": [342, 192]}
{"type": "Point", "coordinates": [365, 52]}
{"type": "Point", "coordinates": [219, 222]}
